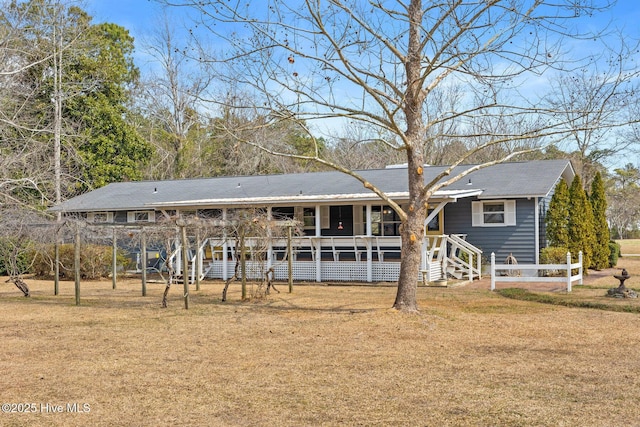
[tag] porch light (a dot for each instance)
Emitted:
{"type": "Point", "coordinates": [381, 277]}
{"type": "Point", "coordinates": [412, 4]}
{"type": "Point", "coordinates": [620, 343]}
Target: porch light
{"type": "Point", "coordinates": [340, 227]}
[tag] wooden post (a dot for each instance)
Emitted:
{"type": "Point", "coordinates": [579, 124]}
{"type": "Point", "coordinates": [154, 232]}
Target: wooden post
{"type": "Point", "coordinates": [56, 265]}
{"type": "Point", "coordinates": [493, 271]}
{"type": "Point", "coordinates": [143, 260]}
{"type": "Point", "coordinates": [56, 256]}
{"type": "Point", "coordinates": [225, 248]}
{"type": "Point", "coordinates": [76, 264]}
{"type": "Point", "coordinates": [114, 259]}
{"type": "Point", "coordinates": [290, 259]}
{"type": "Point", "coordinates": [185, 265]}
{"type": "Point", "coordinates": [198, 260]}
{"type": "Point", "coordinates": [243, 264]}
{"type": "Point", "coordinates": [568, 271]}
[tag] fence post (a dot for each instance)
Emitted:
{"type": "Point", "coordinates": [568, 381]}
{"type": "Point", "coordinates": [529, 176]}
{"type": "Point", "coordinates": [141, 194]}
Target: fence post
{"type": "Point", "coordinates": [114, 259]}
{"type": "Point", "coordinates": [580, 268]}
{"type": "Point", "coordinates": [143, 256]}
{"type": "Point", "coordinates": [568, 271]}
{"type": "Point", "coordinates": [493, 271]}
{"type": "Point", "coordinates": [289, 259]}
{"type": "Point", "coordinates": [185, 261]}
{"type": "Point", "coordinates": [76, 263]}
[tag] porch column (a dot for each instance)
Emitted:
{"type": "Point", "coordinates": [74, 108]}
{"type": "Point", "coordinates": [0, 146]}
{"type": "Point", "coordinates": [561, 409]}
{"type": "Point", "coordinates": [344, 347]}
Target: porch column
{"type": "Point", "coordinates": [424, 264]}
{"type": "Point", "coordinates": [427, 246]}
{"type": "Point", "coordinates": [369, 244]}
{"type": "Point", "coordinates": [225, 247]}
{"type": "Point", "coordinates": [319, 247]}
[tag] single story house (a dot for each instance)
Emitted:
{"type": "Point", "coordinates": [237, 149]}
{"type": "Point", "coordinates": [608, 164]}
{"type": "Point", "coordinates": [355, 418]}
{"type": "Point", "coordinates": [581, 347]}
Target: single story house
{"type": "Point", "coordinates": [347, 232]}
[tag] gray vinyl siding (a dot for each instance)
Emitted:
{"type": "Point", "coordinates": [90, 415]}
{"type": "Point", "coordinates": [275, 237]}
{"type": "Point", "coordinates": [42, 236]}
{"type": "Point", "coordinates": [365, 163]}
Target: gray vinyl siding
{"type": "Point", "coordinates": [518, 240]}
{"type": "Point", "coordinates": [543, 205]}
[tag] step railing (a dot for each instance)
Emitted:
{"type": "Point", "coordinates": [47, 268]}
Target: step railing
{"type": "Point", "coordinates": [472, 266]}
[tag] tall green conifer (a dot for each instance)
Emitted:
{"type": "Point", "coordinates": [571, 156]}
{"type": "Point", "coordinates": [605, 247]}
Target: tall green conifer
{"type": "Point", "coordinates": [580, 230]}
{"type": "Point", "coordinates": [598, 201]}
{"type": "Point", "coordinates": [557, 219]}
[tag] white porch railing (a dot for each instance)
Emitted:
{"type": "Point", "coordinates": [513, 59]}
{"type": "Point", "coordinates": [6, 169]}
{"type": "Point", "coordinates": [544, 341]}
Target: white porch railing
{"type": "Point", "coordinates": [349, 258]}
{"type": "Point", "coordinates": [455, 262]}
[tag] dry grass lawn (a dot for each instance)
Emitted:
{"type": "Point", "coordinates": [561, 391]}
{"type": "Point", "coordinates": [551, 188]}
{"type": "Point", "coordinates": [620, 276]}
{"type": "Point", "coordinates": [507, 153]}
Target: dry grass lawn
{"type": "Point", "coordinates": [323, 355]}
{"type": "Point", "coordinates": [630, 246]}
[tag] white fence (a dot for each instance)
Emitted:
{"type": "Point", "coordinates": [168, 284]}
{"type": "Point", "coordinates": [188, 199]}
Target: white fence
{"type": "Point", "coordinates": [567, 277]}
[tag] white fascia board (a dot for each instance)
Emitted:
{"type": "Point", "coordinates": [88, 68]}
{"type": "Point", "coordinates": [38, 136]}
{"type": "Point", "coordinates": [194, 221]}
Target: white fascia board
{"type": "Point", "coordinates": [278, 199]}
{"type": "Point", "coordinates": [404, 195]}
{"type": "Point", "coordinates": [456, 194]}
{"type": "Point", "coordinates": [511, 196]}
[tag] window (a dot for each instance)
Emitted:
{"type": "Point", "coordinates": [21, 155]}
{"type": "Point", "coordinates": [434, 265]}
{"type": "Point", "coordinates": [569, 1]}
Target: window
{"type": "Point", "coordinates": [309, 218]}
{"type": "Point", "coordinates": [183, 214]}
{"type": "Point", "coordinates": [210, 213]}
{"type": "Point", "coordinates": [100, 217]}
{"type": "Point", "coordinates": [384, 221]}
{"type": "Point", "coordinates": [495, 213]}
{"type": "Point", "coordinates": [282, 213]}
{"type": "Point", "coordinates": [141, 216]}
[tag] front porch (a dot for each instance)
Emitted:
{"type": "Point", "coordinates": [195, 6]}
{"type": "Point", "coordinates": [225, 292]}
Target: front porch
{"type": "Point", "coordinates": [320, 259]}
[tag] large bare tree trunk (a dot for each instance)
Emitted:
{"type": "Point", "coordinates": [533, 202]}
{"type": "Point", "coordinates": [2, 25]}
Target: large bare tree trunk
{"type": "Point", "coordinates": [413, 224]}
{"type": "Point", "coordinates": [412, 235]}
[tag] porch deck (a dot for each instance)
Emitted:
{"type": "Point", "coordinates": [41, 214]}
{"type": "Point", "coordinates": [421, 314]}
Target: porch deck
{"type": "Point", "coordinates": [354, 258]}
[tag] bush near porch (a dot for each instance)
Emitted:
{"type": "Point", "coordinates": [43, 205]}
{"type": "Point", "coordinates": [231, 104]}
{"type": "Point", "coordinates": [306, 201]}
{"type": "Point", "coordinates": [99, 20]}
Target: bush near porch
{"type": "Point", "coordinates": [95, 262]}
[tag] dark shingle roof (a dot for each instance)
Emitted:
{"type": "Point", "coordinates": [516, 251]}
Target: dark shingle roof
{"type": "Point", "coordinates": [506, 180]}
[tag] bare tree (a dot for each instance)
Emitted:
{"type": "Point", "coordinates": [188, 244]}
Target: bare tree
{"type": "Point", "coordinates": [623, 198]}
{"type": "Point", "coordinates": [381, 63]}
{"type": "Point", "coordinates": [169, 99]}
{"type": "Point", "coordinates": [356, 146]}
{"type": "Point", "coordinates": [21, 170]}
{"type": "Point", "coordinates": [263, 230]}
{"type": "Point", "coordinates": [44, 36]}
{"type": "Point", "coordinates": [597, 103]}
{"type": "Point", "coordinates": [21, 238]}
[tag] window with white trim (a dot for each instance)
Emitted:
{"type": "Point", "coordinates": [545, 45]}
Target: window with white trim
{"type": "Point", "coordinates": [309, 218]}
{"type": "Point", "coordinates": [141, 216]}
{"type": "Point", "coordinates": [384, 221]}
{"type": "Point", "coordinates": [100, 216]}
{"type": "Point", "coordinates": [307, 215]}
{"type": "Point", "coordinates": [493, 213]}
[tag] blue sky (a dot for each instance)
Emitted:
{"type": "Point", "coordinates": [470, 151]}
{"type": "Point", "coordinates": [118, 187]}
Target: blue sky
{"type": "Point", "coordinates": [140, 16]}
{"type": "Point", "coordinates": [135, 15]}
